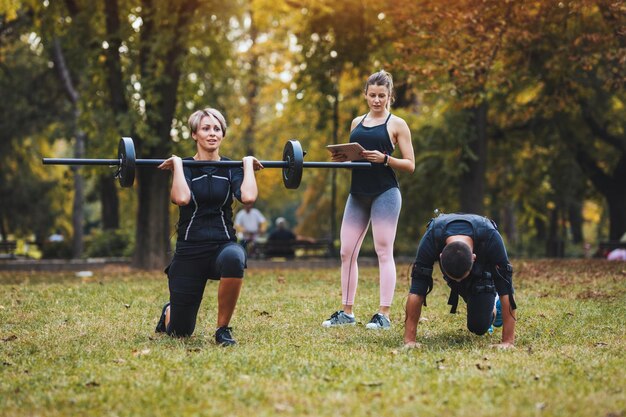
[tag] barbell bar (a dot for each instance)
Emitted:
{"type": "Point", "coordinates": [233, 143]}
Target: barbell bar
{"type": "Point", "coordinates": [292, 163]}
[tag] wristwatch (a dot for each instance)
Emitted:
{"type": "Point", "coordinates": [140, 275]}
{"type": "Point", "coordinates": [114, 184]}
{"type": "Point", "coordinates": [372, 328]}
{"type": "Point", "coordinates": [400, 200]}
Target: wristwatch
{"type": "Point", "coordinates": [386, 161]}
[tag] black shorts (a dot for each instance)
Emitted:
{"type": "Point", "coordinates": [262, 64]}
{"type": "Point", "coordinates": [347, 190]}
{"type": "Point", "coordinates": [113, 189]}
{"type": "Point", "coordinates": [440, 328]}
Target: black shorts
{"type": "Point", "coordinates": [208, 261]}
{"type": "Point", "coordinates": [188, 273]}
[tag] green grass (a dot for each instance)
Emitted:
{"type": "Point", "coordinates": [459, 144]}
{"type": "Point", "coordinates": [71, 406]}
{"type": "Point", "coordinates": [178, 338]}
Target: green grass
{"type": "Point", "coordinates": [85, 347]}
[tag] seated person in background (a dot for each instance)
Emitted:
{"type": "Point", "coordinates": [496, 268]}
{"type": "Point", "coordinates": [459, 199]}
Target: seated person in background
{"type": "Point", "coordinates": [250, 223]}
{"type": "Point", "coordinates": [618, 254]}
{"type": "Point", "coordinates": [281, 234]}
{"type": "Point", "coordinates": [56, 237]}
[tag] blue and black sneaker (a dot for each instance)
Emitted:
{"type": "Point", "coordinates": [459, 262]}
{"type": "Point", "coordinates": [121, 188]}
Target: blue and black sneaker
{"type": "Point", "coordinates": [497, 322]}
{"type": "Point", "coordinates": [379, 321]}
{"type": "Point", "coordinates": [223, 337]}
{"type": "Point", "coordinates": [160, 327]}
{"type": "Point", "coordinates": [339, 318]}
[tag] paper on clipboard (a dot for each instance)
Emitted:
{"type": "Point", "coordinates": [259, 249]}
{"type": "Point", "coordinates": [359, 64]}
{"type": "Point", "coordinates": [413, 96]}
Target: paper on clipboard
{"type": "Point", "coordinates": [352, 150]}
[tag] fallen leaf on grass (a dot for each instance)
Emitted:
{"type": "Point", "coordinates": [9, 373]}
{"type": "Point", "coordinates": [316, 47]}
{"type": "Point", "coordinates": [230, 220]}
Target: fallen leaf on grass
{"type": "Point", "coordinates": [280, 279]}
{"type": "Point", "coordinates": [601, 344]}
{"type": "Point", "coordinates": [283, 407]}
{"type": "Point", "coordinates": [92, 384]}
{"type": "Point", "coordinates": [9, 338]}
{"type": "Point", "coordinates": [540, 406]}
{"type": "Point", "coordinates": [371, 384]}
{"type": "Point", "coordinates": [482, 367]}
{"type": "Point", "coordinates": [138, 353]}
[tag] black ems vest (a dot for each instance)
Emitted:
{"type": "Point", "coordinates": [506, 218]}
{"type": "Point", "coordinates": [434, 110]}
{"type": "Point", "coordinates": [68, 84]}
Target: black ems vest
{"type": "Point", "coordinates": [481, 227]}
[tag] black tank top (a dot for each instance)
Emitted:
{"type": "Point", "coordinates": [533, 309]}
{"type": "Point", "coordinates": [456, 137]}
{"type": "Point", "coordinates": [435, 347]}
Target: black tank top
{"type": "Point", "coordinates": [379, 178]}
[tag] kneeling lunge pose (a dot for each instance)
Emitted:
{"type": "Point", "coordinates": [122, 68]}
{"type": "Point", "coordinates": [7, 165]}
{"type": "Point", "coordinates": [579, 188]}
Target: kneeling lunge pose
{"type": "Point", "coordinates": [207, 246]}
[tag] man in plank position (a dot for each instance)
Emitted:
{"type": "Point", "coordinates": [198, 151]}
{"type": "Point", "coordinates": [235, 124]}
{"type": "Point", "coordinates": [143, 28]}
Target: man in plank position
{"type": "Point", "coordinates": [475, 265]}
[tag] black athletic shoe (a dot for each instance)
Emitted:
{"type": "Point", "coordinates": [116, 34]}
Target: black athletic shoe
{"type": "Point", "coordinates": [223, 336]}
{"type": "Point", "coordinates": [160, 327]}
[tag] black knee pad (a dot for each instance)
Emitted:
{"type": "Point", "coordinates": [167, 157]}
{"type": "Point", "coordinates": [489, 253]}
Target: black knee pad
{"type": "Point", "coordinates": [477, 329]}
{"type": "Point", "coordinates": [231, 261]}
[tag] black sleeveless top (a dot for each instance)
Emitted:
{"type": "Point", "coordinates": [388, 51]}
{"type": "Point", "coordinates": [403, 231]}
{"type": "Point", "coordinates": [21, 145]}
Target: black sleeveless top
{"type": "Point", "coordinates": [379, 178]}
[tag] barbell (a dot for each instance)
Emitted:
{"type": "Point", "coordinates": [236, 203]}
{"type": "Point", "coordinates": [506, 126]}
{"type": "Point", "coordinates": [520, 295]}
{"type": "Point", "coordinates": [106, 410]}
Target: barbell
{"type": "Point", "coordinates": [292, 163]}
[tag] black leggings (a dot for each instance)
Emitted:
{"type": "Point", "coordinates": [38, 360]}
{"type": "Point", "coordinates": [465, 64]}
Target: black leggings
{"type": "Point", "coordinates": [480, 295]}
{"type": "Point", "coordinates": [187, 277]}
{"type": "Point", "coordinates": [480, 311]}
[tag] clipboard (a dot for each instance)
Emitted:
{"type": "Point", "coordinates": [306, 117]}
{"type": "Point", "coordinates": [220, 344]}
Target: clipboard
{"type": "Point", "coordinates": [352, 150]}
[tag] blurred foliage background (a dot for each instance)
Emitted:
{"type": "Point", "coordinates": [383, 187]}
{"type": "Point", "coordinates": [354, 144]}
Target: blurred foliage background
{"type": "Point", "coordinates": [516, 110]}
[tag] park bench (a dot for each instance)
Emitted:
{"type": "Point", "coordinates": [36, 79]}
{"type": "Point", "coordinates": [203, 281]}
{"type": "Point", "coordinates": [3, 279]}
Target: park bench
{"type": "Point", "coordinates": [605, 247]}
{"type": "Point", "coordinates": [300, 249]}
{"type": "Point", "coordinates": [8, 247]}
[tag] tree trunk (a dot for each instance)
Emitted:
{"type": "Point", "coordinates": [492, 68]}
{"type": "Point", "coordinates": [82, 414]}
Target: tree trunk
{"type": "Point", "coordinates": [617, 214]}
{"type": "Point", "coordinates": [612, 187]}
{"type": "Point", "coordinates": [333, 187]}
{"type": "Point", "coordinates": [109, 202]}
{"type": "Point", "coordinates": [554, 244]}
{"type": "Point", "coordinates": [152, 234]}
{"type": "Point", "coordinates": [575, 216]}
{"type": "Point", "coordinates": [509, 223]}
{"type": "Point", "coordinates": [472, 181]}
{"type": "Point", "coordinates": [163, 65]}
{"type": "Point", "coordinates": [78, 212]}
{"type": "Point", "coordinates": [79, 147]}
{"type": "Point", "coordinates": [252, 90]}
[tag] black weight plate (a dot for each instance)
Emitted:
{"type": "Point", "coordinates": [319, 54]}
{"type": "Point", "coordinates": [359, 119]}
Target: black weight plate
{"type": "Point", "coordinates": [126, 154]}
{"type": "Point", "coordinates": [294, 156]}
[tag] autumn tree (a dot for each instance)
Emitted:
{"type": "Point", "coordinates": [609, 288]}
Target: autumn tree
{"type": "Point", "coordinates": [453, 47]}
{"type": "Point", "coordinates": [575, 52]}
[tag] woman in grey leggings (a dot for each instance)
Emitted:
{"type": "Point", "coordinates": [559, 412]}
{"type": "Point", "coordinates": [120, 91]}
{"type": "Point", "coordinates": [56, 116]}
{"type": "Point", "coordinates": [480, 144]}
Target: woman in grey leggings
{"type": "Point", "coordinates": [374, 197]}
